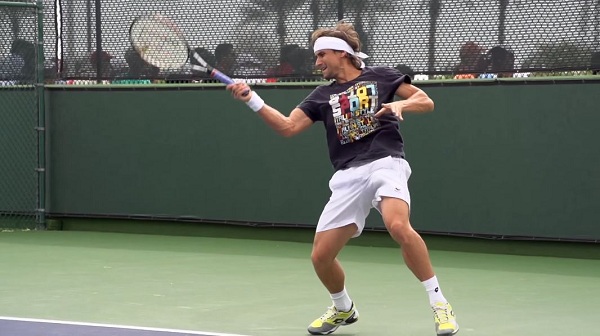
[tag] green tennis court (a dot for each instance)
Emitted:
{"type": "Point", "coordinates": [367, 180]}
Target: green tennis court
{"type": "Point", "coordinates": [268, 288]}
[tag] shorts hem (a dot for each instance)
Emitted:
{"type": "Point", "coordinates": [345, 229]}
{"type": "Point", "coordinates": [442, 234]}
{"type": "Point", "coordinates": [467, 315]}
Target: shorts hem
{"type": "Point", "coordinates": [379, 198]}
{"type": "Point", "coordinates": [337, 225]}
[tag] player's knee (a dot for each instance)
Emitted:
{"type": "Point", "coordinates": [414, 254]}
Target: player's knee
{"type": "Point", "coordinates": [320, 257]}
{"type": "Point", "coordinates": [400, 230]}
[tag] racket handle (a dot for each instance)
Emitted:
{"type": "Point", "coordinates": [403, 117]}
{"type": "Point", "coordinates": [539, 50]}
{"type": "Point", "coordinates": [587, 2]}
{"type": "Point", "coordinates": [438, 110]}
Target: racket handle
{"type": "Point", "coordinates": [225, 79]}
{"type": "Point", "coordinates": [221, 77]}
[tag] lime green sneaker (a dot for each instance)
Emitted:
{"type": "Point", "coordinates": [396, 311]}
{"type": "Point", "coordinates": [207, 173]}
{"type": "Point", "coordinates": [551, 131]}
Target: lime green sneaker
{"type": "Point", "coordinates": [331, 320]}
{"type": "Point", "coordinates": [445, 321]}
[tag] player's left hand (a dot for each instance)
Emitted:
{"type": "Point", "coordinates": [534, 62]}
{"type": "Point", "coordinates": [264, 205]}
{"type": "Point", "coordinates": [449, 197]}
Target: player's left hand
{"type": "Point", "coordinates": [394, 108]}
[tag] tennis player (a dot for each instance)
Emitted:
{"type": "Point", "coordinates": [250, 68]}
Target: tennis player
{"type": "Point", "coordinates": [366, 149]}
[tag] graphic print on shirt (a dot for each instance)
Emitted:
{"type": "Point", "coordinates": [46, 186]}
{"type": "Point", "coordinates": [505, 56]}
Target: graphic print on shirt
{"type": "Point", "coordinates": [354, 110]}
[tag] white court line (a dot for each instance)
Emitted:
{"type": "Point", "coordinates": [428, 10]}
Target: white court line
{"type": "Point", "coordinates": [178, 331]}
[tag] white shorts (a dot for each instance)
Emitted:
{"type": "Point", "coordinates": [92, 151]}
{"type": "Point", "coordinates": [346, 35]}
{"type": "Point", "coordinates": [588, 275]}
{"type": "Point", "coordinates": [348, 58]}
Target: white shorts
{"type": "Point", "coordinates": [354, 191]}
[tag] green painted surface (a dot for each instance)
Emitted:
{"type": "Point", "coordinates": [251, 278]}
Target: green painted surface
{"type": "Point", "coordinates": [180, 153]}
{"type": "Point", "coordinates": [511, 160]}
{"type": "Point", "coordinates": [267, 288]}
{"type": "Point", "coordinates": [369, 237]}
{"type": "Point", "coordinates": [18, 155]}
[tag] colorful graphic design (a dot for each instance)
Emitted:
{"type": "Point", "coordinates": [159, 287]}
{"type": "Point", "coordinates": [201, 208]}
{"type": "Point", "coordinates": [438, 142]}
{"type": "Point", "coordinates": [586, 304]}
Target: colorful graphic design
{"type": "Point", "coordinates": [354, 110]}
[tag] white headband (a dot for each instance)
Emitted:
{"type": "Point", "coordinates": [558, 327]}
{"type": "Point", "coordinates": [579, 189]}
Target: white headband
{"type": "Point", "coordinates": [334, 43]}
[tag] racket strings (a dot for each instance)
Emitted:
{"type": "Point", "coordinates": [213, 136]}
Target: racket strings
{"type": "Point", "coordinates": [159, 44]}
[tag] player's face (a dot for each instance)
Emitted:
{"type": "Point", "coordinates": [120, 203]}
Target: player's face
{"type": "Point", "coordinates": [329, 62]}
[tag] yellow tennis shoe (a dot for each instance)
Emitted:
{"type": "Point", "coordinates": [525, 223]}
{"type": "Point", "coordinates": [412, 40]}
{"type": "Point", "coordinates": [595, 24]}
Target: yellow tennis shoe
{"type": "Point", "coordinates": [445, 321]}
{"type": "Point", "coordinates": [331, 320]}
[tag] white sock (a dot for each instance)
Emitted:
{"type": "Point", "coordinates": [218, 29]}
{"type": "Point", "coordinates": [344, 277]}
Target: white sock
{"type": "Point", "coordinates": [434, 291]}
{"type": "Point", "coordinates": [341, 300]}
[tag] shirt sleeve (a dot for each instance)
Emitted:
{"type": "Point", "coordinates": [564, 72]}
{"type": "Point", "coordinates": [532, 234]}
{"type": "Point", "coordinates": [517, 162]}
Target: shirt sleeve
{"type": "Point", "coordinates": [310, 106]}
{"type": "Point", "coordinates": [392, 77]}
{"type": "Point", "coordinates": [405, 78]}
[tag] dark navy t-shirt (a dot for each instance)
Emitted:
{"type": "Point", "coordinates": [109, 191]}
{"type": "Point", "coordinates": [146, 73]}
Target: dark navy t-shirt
{"type": "Point", "coordinates": [347, 110]}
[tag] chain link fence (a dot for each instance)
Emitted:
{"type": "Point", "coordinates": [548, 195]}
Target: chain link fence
{"type": "Point", "coordinates": [271, 37]}
{"type": "Point", "coordinates": [19, 120]}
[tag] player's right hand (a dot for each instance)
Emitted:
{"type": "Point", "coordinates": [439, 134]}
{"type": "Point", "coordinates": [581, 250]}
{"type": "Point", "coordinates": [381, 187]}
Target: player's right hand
{"type": "Point", "coordinates": [238, 90]}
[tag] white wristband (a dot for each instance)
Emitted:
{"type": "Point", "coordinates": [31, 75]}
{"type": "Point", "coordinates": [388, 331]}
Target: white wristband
{"type": "Point", "coordinates": [255, 102]}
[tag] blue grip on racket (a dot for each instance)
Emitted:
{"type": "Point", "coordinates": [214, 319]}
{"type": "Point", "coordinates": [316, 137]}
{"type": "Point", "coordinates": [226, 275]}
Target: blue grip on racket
{"type": "Point", "coordinates": [225, 79]}
{"type": "Point", "coordinates": [222, 77]}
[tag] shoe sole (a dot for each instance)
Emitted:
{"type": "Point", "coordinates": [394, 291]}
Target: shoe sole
{"type": "Point", "coordinates": [452, 333]}
{"type": "Point", "coordinates": [323, 333]}
{"type": "Point", "coordinates": [334, 329]}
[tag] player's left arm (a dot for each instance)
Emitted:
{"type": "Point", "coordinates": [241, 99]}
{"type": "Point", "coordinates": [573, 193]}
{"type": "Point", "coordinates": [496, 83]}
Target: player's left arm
{"type": "Point", "coordinates": [413, 100]}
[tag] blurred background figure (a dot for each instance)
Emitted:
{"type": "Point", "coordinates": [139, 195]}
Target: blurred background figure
{"type": "Point", "coordinates": [595, 63]}
{"type": "Point", "coordinates": [11, 67]}
{"type": "Point", "coordinates": [293, 61]}
{"type": "Point", "coordinates": [303, 61]}
{"type": "Point", "coordinates": [225, 58]}
{"type": "Point", "coordinates": [249, 66]}
{"type": "Point", "coordinates": [22, 60]}
{"type": "Point", "coordinates": [137, 67]}
{"type": "Point", "coordinates": [105, 58]}
{"type": "Point", "coordinates": [471, 58]}
{"type": "Point", "coordinates": [51, 68]}
{"type": "Point", "coordinates": [286, 61]}
{"type": "Point", "coordinates": [500, 61]}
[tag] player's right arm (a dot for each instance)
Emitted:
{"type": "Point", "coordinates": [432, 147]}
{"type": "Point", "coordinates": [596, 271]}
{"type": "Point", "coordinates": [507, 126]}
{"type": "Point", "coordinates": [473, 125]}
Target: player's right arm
{"type": "Point", "coordinates": [285, 126]}
{"type": "Point", "coordinates": [288, 126]}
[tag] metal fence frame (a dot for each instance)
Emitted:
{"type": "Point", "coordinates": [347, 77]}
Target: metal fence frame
{"type": "Point", "coordinates": [40, 127]}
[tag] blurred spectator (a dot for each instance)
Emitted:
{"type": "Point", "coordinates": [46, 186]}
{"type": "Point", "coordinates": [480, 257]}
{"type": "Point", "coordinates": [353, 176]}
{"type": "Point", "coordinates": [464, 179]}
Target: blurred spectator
{"type": "Point", "coordinates": [26, 51]}
{"type": "Point", "coordinates": [302, 60]}
{"type": "Point", "coordinates": [51, 68]}
{"type": "Point", "coordinates": [248, 65]}
{"type": "Point", "coordinates": [595, 63]}
{"type": "Point", "coordinates": [138, 68]}
{"type": "Point", "coordinates": [11, 67]}
{"type": "Point", "coordinates": [206, 56]}
{"type": "Point", "coordinates": [501, 61]}
{"type": "Point", "coordinates": [105, 58]}
{"type": "Point", "coordinates": [225, 58]}
{"type": "Point", "coordinates": [471, 59]}
{"type": "Point", "coordinates": [286, 60]}
{"type": "Point", "coordinates": [405, 69]}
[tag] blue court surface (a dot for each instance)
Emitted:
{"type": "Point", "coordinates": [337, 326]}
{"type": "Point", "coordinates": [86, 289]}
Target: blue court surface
{"type": "Point", "coordinates": [10, 326]}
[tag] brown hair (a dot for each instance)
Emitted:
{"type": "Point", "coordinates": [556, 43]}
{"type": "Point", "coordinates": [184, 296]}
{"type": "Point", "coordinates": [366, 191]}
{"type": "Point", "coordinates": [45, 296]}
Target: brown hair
{"type": "Point", "coordinates": [344, 31]}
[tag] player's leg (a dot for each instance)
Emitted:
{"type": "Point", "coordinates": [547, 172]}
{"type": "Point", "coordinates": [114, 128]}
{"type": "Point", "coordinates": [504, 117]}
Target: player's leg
{"type": "Point", "coordinates": [326, 247]}
{"type": "Point", "coordinates": [395, 214]}
{"type": "Point", "coordinates": [343, 218]}
{"type": "Point", "coordinates": [392, 199]}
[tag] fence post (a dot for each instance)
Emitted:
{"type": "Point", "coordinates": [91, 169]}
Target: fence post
{"type": "Point", "coordinates": [41, 124]}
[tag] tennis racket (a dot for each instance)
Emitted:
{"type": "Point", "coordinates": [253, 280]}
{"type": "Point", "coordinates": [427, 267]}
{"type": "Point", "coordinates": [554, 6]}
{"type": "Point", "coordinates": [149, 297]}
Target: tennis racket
{"type": "Point", "coordinates": [160, 42]}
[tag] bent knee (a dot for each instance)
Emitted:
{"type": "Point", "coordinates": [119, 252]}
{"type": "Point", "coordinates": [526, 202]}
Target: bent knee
{"type": "Point", "coordinates": [321, 257]}
{"type": "Point", "coordinates": [401, 230]}
{"type": "Point", "coordinates": [399, 225]}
